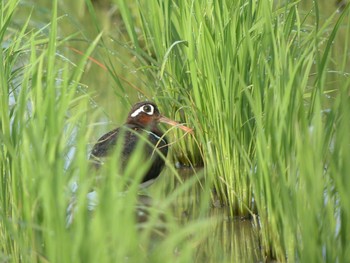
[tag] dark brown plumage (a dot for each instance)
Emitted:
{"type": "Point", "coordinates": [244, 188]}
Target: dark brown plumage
{"type": "Point", "coordinates": [143, 121]}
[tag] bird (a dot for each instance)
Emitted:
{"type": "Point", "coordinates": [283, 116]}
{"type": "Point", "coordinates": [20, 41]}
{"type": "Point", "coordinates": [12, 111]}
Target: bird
{"type": "Point", "coordinates": [142, 123]}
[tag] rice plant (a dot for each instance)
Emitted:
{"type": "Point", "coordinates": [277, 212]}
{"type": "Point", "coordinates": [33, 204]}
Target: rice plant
{"type": "Point", "coordinates": [45, 136]}
{"type": "Point", "coordinates": [264, 85]}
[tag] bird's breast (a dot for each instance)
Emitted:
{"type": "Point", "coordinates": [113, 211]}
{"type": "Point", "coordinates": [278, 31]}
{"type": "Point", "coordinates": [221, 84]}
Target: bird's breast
{"type": "Point", "coordinates": [155, 137]}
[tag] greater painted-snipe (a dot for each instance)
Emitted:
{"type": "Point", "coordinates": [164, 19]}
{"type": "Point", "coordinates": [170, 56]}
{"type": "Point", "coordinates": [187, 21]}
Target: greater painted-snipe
{"type": "Point", "coordinates": [143, 121]}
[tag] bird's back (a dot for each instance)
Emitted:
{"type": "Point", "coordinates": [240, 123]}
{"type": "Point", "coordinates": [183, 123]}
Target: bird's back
{"type": "Point", "coordinates": [130, 136]}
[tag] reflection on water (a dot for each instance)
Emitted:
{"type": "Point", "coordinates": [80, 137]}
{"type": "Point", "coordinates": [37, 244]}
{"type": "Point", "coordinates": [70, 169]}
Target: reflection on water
{"type": "Point", "coordinates": [229, 239]}
{"type": "Point", "coordinates": [232, 240]}
{"type": "Point", "coordinates": [220, 239]}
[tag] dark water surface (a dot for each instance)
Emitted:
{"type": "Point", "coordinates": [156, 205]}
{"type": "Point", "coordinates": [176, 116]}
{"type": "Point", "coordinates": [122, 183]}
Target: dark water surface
{"type": "Point", "coordinates": [225, 239]}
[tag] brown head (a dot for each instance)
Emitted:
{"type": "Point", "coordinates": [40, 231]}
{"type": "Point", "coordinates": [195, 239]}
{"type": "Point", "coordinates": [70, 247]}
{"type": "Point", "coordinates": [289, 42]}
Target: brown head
{"type": "Point", "coordinates": [146, 114]}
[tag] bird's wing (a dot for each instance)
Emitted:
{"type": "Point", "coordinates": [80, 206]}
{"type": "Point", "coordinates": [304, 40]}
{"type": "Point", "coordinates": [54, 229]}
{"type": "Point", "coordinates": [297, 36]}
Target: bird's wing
{"type": "Point", "coordinates": [105, 144]}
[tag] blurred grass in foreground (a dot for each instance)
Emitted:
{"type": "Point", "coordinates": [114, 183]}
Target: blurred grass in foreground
{"type": "Point", "coordinates": [44, 135]}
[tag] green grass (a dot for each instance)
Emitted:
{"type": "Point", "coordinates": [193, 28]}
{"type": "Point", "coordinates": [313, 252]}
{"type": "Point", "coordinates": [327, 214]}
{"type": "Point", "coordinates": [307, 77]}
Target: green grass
{"type": "Point", "coordinates": [268, 93]}
{"type": "Point", "coordinates": [266, 89]}
{"type": "Point", "coordinates": [45, 136]}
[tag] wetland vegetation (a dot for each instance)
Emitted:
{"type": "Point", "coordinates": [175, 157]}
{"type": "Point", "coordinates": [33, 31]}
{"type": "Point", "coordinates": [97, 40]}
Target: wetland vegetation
{"type": "Point", "coordinates": [265, 85]}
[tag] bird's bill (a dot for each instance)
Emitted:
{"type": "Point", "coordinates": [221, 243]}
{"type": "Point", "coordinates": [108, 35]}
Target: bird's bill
{"type": "Point", "coordinates": [174, 123]}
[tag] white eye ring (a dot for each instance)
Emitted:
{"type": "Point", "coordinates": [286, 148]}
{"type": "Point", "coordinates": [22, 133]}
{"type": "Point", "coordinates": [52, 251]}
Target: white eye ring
{"type": "Point", "coordinates": [142, 109]}
{"type": "Point", "coordinates": [149, 109]}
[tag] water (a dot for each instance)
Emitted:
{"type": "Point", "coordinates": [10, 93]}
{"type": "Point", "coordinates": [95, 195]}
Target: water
{"type": "Point", "coordinates": [226, 239]}
{"type": "Point", "coordinates": [217, 237]}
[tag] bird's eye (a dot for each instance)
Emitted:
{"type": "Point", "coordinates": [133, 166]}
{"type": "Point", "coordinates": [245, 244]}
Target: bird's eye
{"type": "Point", "coordinates": [148, 109]}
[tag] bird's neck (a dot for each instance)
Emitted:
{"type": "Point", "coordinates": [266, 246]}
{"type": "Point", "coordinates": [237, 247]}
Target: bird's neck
{"type": "Point", "coordinates": [150, 129]}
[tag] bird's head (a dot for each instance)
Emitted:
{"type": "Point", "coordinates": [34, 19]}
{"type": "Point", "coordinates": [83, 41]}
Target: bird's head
{"type": "Point", "coordinates": [146, 114]}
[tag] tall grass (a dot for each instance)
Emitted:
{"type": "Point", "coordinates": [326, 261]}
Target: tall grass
{"type": "Point", "coordinates": [269, 98]}
{"type": "Point", "coordinates": [257, 83]}
{"type": "Point", "coordinates": [44, 144]}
